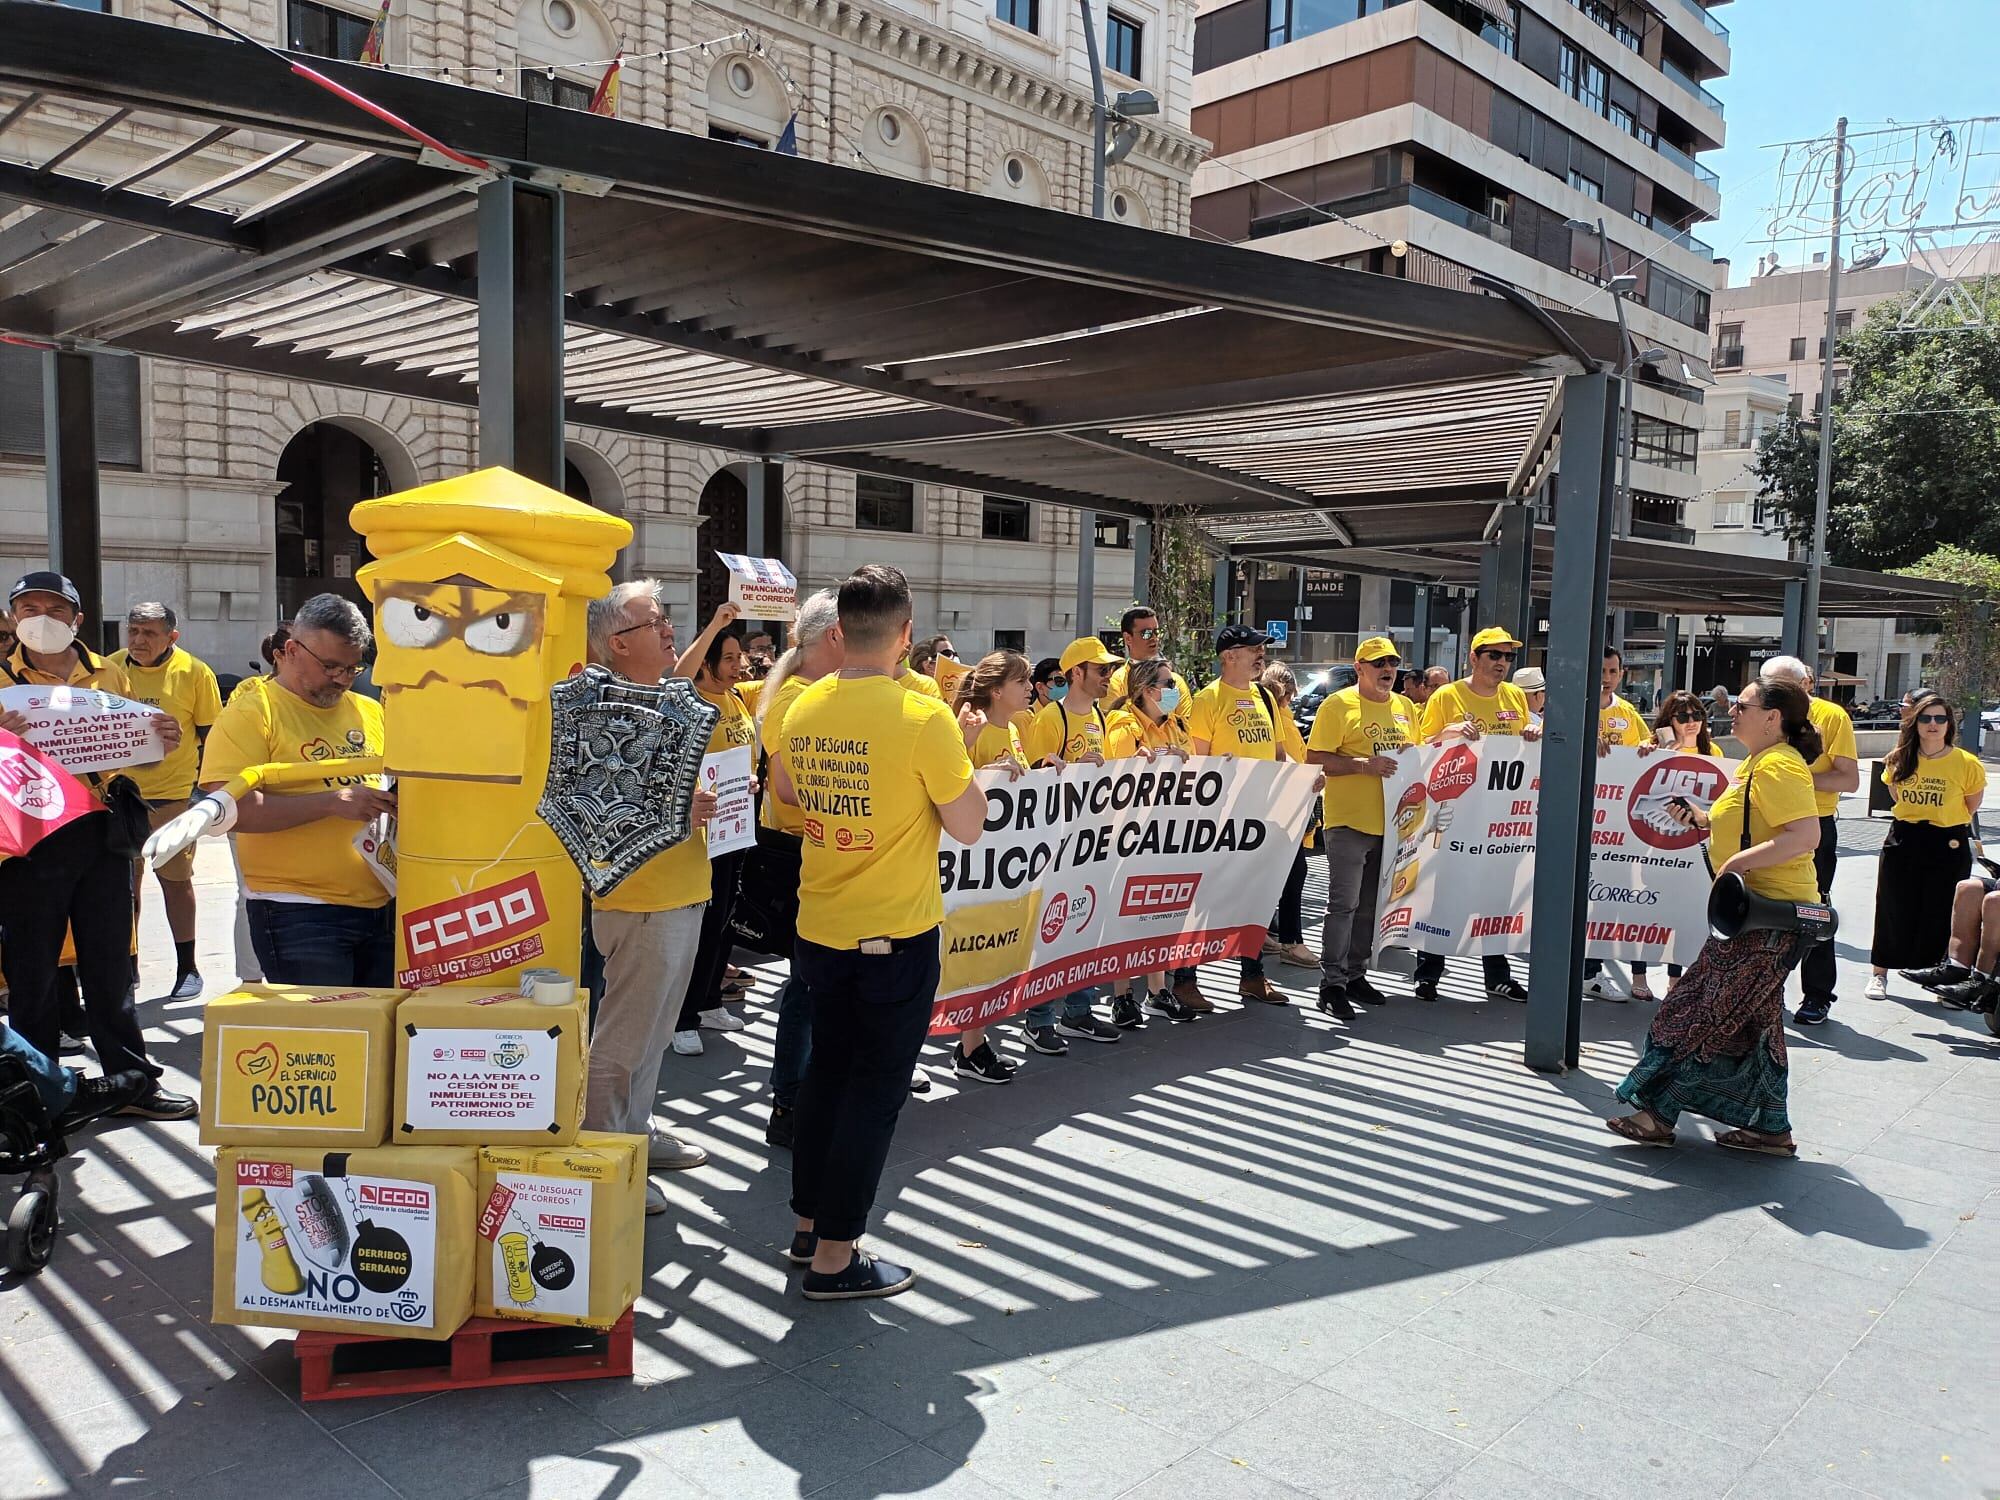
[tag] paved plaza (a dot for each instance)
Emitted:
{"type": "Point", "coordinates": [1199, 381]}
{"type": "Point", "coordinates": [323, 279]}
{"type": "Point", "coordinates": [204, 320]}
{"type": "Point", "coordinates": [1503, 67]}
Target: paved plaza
{"type": "Point", "coordinates": [1260, 1255]}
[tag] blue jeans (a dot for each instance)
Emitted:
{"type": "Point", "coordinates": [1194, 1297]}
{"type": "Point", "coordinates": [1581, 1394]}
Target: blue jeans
{"type": "Point", "coordinates": [1073, 1006]}
{"type": "Point", "coordinates": [312, 943]}
{"type": "Point", "coordinates": [55, 1083]}
{"type": "Point", "coordinates": [793, 1048]}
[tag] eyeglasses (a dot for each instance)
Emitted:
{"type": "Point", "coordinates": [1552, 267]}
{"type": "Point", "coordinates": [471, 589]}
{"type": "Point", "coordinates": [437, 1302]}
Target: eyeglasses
{"type": "Point", "coordinates": [331, 668]}
{"type": "Point", "coordinates": [1150, 633]}
{"type": "Point", "coordinates": [661, 623]}
{"type": "Point", "coordinates": [1689, 716]}
{"type": "Point", "coordinates": [1742, 707]}
{"type": "Point", "coordinates": [1933, 718]}
{"type": "Point", "coordinates": [948, 653]}
{"type": "Point", "coordinates": [1497, 655]}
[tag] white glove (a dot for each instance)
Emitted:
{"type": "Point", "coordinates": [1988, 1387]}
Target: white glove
{"type": "Point", "coordinates": [212, 813]}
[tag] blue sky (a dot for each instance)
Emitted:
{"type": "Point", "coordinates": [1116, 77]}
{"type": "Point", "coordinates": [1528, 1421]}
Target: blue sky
{"type": "Point", "coordinates": [1796, 65]}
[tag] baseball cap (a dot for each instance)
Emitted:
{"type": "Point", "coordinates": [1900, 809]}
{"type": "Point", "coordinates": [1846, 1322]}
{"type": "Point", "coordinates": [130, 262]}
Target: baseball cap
{"type": "Point", "coordinates": [1085, 648]}
{"type": "Point", "coordinates": [1493, 636]}
{"type": "Point", "coordinates": [1233, 637]}
{"type": "Point", "coordinates": [1375, 648]}
{"type": "Point", "coordinates": [46, 582]}
{"type": "Point", "coordinates": [1531, 680]}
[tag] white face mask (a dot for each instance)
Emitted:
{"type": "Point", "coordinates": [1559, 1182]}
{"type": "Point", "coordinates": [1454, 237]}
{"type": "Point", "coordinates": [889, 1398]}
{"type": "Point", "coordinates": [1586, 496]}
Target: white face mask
{"type": "Point", "coordinates": [45, 634]}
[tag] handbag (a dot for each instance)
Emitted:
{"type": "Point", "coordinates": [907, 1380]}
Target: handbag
{"type": "Point", "coordinates": [131, 823]}
{"type": "Point", "coordinates": [765, 918]}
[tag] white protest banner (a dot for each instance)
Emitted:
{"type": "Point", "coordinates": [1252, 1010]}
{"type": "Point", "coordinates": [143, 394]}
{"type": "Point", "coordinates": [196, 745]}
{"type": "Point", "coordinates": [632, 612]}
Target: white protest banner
{"type": "Point", "coordinates": [764, 586]}
{"type": "Point", "coordinates": [727, 773]}
{"type": "Point", "coordinates": [1459, 878]}
{"type": "Point", "coordinates": [83, 729]}
{"type": "Point", "coordinates": [1088, 874]}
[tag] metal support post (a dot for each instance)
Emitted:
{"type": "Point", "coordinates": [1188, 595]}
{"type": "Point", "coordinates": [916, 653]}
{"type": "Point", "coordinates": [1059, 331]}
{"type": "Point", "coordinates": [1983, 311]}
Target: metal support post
{"type": "Point", "coordinates": [1809, 610]}
{"type": "Point", "coordinates": [1222, 571]}
{"type": "Point", "coordinates": [1577, 595]}
{"type": "Point", "coordinates": [1086, 573]}
{"type": "Point", "coordinates": [69, 445]}
{"type": "Point", "coordinates": [1420, 628]}
{"type": "Point", "coordinates": [1670, 656]}
{"type": "Point", "coordinates": [521, 329]}
{"type": "Point", "coordinates": [1142, 561]}
{"type": "Point", "coordinates": [1513, 599]}
{"type": "Point", "coordinates": [1796, 639]}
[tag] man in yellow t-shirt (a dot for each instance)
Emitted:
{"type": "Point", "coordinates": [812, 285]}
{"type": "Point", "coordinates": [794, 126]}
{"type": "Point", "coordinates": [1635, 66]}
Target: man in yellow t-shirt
{"type": "Point", "coordinates": [878, 774]}
{"type": "Point", "coordinates": [1837, 770]}
{"type": "Point", "coordinates": [1356, 736]}
{"type": "Point", "coordinates": [1481, 703]}
{"type": "Point", "coordinates": [1618, 722]}
{"type": "Point", "coordinates": [649, 927]}
{"type": "Point", "coordinates": [182, 686]}
{"type": "Point", "coordinates": [318, 915]}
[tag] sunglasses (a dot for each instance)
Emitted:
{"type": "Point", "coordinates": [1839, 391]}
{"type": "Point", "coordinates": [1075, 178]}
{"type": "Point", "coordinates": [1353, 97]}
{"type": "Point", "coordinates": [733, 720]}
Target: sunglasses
{"type": "Point", "coordinates": [1385, 663]}
{"type": "Point", "coordinates": [1497, 655]}
{"type": "Point", "coordinates": [1150, 633]}
{"type": "Point", "coordinates": [1933, 718]}
{"type": "Point", "coordinates": [1689, 716]}
{"type": "Point", "coordinates": [948, 654]}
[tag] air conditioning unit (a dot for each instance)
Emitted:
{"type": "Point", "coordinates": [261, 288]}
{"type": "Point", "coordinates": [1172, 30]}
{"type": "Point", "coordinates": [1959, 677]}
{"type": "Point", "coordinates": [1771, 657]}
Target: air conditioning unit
{"type": "Point", "coordinates": [1497, 210]}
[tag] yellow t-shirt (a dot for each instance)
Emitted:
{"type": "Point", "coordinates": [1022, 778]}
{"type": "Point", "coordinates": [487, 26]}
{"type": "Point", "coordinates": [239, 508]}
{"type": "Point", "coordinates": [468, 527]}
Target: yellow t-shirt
{"type": "Point", "coordinates": [1836, 734]}
{"type": "Point", "coordinates": [871, 762]}
{"type": "Point", "coordinates": [86, 670]}
{"type": "Point", "coordinates": [1115, 689]}
{"type": "Point", "coordinates": [998, 742]}
{"type": "Point", "coordinates": [1064, 733]}
{"type": "Point", "coordinates": [1349, 724]}
{"type": "Point", "coordinates": [1127, 729]}
{"type": "Point", "coordinates": [1622, 724]}
{"type": "Point", "coordinates": [186, 688]}
{"type": "Point", "coordinates": [735, 727]}
{"type": "Point", "coordinates": [913, 681]}
{"type": "Point", "coordinates": [781, 815]}
{"type": "Point", "coordinates": [749, 689]}
{"type": "Point", "coordinates": [1289, 739]}
{"type": "Point", "coordinates": [316, 861]}
{"type": "Point", "coordinates": [1234, 721]}
{"type": "Point", "coordinates": [1506, 712]}
{"type": "Point", "coordinates": [1781, 792]}
{"type": "Point", "coordinates": [671, 879]}
{"type": "Point", "coordinates": [1937, 789]}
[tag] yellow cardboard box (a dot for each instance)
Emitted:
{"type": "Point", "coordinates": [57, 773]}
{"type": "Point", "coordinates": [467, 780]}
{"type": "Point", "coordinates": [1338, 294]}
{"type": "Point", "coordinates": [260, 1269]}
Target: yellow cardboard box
{"type": "Point", "coordinates": [283, 1064]}
{"type": "Point", "coordinates": [484, 1067]}
{"type": "Point", "coordinates": [562, 1230]}
{"type": "Point", "coordinates": [378, 1241]}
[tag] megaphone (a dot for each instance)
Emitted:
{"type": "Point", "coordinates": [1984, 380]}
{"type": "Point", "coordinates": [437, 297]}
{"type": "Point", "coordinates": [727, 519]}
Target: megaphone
{"type": "Point", "coordinates": [1734, 909]}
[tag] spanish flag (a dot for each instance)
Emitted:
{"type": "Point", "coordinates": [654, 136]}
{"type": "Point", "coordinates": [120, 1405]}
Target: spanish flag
{"type": "Point", "coordinates": [605, 100]}
{"type": "Point", "coordinates": [378, 37]}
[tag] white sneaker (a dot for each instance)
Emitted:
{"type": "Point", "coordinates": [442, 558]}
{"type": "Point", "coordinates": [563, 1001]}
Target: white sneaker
{"type": "Point", "coordinates": [656, 1201]}
{"type": "Point", "coordinates": [1604, 988]}
{"type": "Point", "coordinates": [670, 1152]}
{"type": "Point", "coordinates": [721, 1019]}
{"type": "Point", "coordinates": [687, 1043]}
{"type": "Point", "coordinates": [1878, 988]}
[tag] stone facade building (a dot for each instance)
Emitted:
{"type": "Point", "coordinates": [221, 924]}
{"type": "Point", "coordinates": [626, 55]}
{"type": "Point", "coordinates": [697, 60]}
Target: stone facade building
{"type": "Point", "coordinates": [226, 495]}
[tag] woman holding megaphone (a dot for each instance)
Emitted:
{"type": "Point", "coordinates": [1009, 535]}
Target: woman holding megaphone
{"type": "Point", "coordinates": [1717, 1044]}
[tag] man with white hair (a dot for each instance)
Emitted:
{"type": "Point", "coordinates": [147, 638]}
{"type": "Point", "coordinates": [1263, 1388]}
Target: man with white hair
{"type": "Point", "coordinates": [1837, 770]}
{"type": "Point", "coordinates": [649, 927]}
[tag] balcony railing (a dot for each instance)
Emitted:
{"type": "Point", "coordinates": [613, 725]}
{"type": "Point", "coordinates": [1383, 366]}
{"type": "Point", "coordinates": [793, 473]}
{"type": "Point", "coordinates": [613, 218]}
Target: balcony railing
{"type": "Point", "coordinates": [1687, 163]}
{"type": "Point", "coordinates": [1728, 356]}
{"type": "Point", "coordinates": [1688, 81]}
{"type": "Point", "coordinates": [1707, 18]}
{"type": "Point", "coordinates": [1407, 195]}
{"type": "Point", "coordinates": [1685, 240]}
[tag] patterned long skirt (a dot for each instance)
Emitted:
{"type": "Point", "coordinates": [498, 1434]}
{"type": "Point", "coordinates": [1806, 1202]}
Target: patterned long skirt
{"type": "Point", "coordinates": [1717, 1044]}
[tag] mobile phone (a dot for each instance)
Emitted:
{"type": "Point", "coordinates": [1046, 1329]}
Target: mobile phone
{"type": "Point", "coordinates": [1681, 805]}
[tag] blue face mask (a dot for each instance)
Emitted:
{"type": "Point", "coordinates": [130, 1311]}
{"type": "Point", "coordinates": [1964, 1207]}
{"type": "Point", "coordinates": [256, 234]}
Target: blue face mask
{"type": "Point", "coordinates": [1058, 691]}
{"type": "Point", "coordinates": [1170, 699]}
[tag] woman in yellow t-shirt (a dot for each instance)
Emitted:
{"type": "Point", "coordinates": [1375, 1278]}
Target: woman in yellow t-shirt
{"type": "Point", "coordinates": [1144, 722]}
{"type": "Point", "coordinates": [1938, 788]}
{"type": "Point", "coordinates": [1717, 1043]}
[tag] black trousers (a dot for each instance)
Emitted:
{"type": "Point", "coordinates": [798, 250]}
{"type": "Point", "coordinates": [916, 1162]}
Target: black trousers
{"type": "Point", "coordinates": [1816, 970]}
{"type": "Point", "coordinates": [870, 1015]}
{"type": "Point", "coordinates": [1289, 925]}
{"type": "Point", "coordinates": [711, 956]}
{"type": "Point", "coordinates": [70, 880]}
{"type": "Point", "coordinates": [1493, 965]}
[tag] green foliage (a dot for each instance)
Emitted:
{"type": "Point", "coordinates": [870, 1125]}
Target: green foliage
{"type": "Point", "coordinates": [1916, 454]}
{"type": "Point", "coordinates": [1180, 587]}
{"type": "Point", "coordinates": [1967, 661]}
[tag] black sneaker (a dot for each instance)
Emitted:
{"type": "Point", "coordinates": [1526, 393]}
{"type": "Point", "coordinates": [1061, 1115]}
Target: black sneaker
{"type": "Point", "coordinates": [1333, 1001]}
{"type": "Point", "coordinates": [106, 1095]}
{"type": "Point", "coordinates": [1360, 989]}
{"type": "Point", "coordinates": [69, 1045]}
{"type": "Point", "coordinates": [1167, 1003]}
{"type": "Point", "coordinates": [920, 1081]}
{"type": "Point", "coordinates": [157, 1104]}
{"type": "Point", "coordinates": [1966, 993]}
{"type": "Point", "coordinates": [1507, 989]}
{"type": "Point", "coordinates": [1087, 1028]}
{"type": "Point", "coordinates": [800, 1251]}
{"type": "Point", "coordinates": [982, 1064]}
{"type": "Point", "coordinates": [1812, 1012]}
{"type": "Point", "coordinates": [1125, 1013]}
{"type": "Point", "coordinates": [1044, 1039]}
{"type": "Point", "coordinates": [1427, 990]}
{"type": "Point", "coordinates": [779, 1131]}
{"type": "Point", "coordinates": [865, 1276]}
{"type": "Point", "coordinates": [1937, 975]}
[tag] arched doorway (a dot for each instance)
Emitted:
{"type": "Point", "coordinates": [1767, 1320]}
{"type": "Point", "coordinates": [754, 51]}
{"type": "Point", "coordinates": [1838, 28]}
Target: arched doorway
{"type": "Point", "coordinates": [324, 472]}
{"type": "Point", "coordinates": [725, 527]}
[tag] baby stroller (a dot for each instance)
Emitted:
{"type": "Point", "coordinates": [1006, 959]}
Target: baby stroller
{"type": "Point", "coordinates": [30, 1143]}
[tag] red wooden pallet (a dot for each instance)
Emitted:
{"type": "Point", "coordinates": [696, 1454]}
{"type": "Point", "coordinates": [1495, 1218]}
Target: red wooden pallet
{"type": "Point", "coordinates": [484, 1352]}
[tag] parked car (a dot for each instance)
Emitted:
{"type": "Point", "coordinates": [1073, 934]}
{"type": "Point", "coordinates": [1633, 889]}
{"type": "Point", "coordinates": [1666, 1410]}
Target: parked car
{"type": "Point", "coordinates": [1313, 689]}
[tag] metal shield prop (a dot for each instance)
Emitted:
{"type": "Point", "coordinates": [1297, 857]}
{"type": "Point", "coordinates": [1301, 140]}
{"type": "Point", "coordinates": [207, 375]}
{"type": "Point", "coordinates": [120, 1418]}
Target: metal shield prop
{"type": "Point", "coordinates": [624, 762]}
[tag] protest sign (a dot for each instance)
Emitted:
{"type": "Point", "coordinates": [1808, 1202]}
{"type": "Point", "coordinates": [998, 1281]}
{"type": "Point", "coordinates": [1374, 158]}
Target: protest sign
{"type": "Point", "coordinates": [1088, 874]}
{"type": "Point", "coordinates": [763, 586]}
{"type": "Point", "coordinates": [727, 773]}
{"type": "Point", "coordinates": [83, 729]}
{"type": "Point", "coordinates": [1460, 874]}
{"type": "Point", "coordinates": [37, 796]}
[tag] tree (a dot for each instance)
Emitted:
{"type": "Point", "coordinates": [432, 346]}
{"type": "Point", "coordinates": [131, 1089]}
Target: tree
{"type": "Point", "coordinates": [1180, 587]}
{"type": "Point", "coordinates": [1968, 656]}
{"type": "Point", "coordinates": [1916, 457]}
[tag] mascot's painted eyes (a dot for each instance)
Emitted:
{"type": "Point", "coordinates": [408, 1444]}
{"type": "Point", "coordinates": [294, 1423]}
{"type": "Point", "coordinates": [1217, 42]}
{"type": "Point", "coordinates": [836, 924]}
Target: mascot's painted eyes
{"type": "Point", "coordinates": [501, 634]}
{"type": "Point", "coordinates": [408, 624]}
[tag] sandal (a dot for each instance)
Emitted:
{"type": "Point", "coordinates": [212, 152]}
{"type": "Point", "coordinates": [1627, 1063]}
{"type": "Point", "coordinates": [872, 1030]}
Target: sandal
{"type": "Point", "coordinates": [1641, 990]}
{"type": "Point", "coordinates": [1757, 1145]}
{"type": "Point", "coordinates": [1622, 1125]}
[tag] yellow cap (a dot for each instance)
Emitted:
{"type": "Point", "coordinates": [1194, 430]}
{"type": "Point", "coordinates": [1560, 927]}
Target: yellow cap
{"type": "Point", "coordinates": [1375, 648]}
{"type": "Point", "coordinates": [1085, 648]}
{"type": "Point", "coordinates": [1493, 636]}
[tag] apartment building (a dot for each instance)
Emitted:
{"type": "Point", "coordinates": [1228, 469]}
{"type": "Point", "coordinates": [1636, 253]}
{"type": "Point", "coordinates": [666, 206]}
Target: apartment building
{"type": "Point", "coordinates": [227, 495]}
